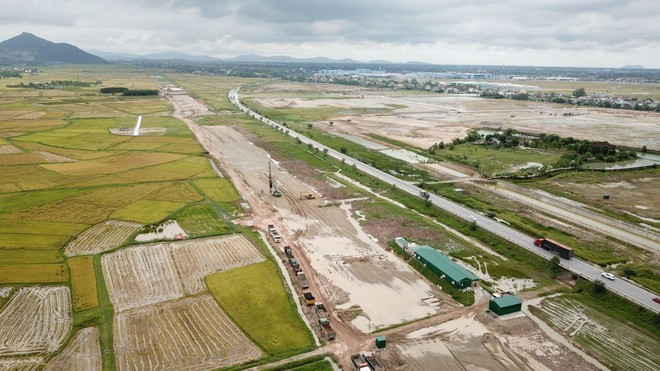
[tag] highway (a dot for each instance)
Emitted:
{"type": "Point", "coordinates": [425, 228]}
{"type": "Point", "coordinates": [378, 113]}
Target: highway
{"type": "Point", "coordinates": [584, 269]}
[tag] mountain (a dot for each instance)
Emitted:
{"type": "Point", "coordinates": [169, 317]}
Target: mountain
{"type": "Point", "coordinates": [28, 48]}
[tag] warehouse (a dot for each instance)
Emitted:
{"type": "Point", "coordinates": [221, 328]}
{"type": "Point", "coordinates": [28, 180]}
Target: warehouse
{"type": "Point", "coordinates": [444, 267]}
{"type": "Point", "coordinates": [505, 305]}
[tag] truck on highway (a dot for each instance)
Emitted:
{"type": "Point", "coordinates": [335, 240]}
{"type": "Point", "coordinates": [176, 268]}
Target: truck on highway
{"type": "Point", "coordinates": [326, 330]}
{"type": "Point", "coordinates": [547, 244]}
{"type": "Point", "coordinates": [302, 279]}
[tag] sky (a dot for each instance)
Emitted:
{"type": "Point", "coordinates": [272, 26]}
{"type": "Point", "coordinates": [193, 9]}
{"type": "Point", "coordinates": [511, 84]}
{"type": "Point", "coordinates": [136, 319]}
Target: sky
{"type": "Point", "coordinates": [580, 33]}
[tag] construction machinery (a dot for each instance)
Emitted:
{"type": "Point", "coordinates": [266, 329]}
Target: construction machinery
{"type": "Point", "coordinates": [307, 196]}
{"type": "Point", "coordinates": [273, 187]}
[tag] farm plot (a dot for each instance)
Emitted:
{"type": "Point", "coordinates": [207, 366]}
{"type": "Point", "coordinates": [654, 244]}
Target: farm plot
{"type": "Point", "coordinates": [102, 237]}
{"type": "Point", "coordinates": [196, 259]}
{"type": "Point", "coordinates": [8, 148]}
{"type": "Point", "coordinates": [22, 364]}
{"type": "Point", "coordinates": [159, 272]}
{"type": "Point", "coordinates": [218, 190]}
{"type": "Point", "coordinates": [617, 344]}
{"type": "Point", "coordinates": [140, 276]}
{"type": "Point", "coordinates": [82, 353]}
{"type": "Point", "coordinates": [36, 319]}
{"type": "Point", "coordinates": [83, 283]}
{"type": "Point", "coordinates": [191, 333]}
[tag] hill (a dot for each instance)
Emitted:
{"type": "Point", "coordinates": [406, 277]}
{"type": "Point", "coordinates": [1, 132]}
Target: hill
{"type": "Point", "coordinates": [28, 48]}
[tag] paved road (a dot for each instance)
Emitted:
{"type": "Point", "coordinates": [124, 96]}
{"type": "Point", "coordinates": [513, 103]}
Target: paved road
{"type": "Point", "coordinates": [589, 271]}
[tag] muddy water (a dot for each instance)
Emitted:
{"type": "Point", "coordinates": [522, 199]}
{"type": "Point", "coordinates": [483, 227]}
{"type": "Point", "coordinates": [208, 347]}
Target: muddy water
{"type": "Point", "coordinates": [374, 285]}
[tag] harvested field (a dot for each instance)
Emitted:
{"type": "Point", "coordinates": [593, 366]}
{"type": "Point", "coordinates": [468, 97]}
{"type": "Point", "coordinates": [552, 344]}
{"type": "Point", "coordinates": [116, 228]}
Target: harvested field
{"type": "Point", "coordinates": [35, 320]}
{"type": "Point", "coordinates": [22, 364]}
{"type": "Point", "coordinates": [191, 333]}
{"type": "Point", "coordinates": [196, 259]}
{"type": "Point", "coordinates": [83, 283]}
{"type": "Point", "coordinates": [159, 272]}
{"type": "Point", "coordinates": [82, 353]}
{"type": "Point", "coordinates": [616, 344]}
{"type": "Point", "coordinates": [8, 148]}
{"type": "Point", "coordinates": [102, 237]}
{"type": "Point", "coordinates": [141, 276]}
{"type": "Point", "coordinates": [53, 158]}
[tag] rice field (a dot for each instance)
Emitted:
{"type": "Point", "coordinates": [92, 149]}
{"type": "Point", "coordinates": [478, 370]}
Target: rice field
{"type": "Point", "coordinates": [219, 190]}
{"type": "Point", "coordinates": [35, 320]}
{"type": "Point", "coordinates": [102, 237]}
{"type": "Point", "coordinates": [147, 211]}
{"type": "Point", "coordinates": [34, 273]}
{"type": "Point", "coordinates": [83, 283]}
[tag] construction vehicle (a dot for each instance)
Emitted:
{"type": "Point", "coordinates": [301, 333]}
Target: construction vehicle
{"type": "Point", "coordinates": [288, 252]}
{"type": "Point", "coordinates": [302, 279]}
{"type": "Point", "coordinates": [321, 312]}
{"type": "Point", "coordinates": [293, 263]}
{"type": "Point", "coordinates": [555, 247]}
{"type": "Point", "coordinates": [307, 196]}
{"type": "Point", "coordinates": [309, 298]}
{"type": "Point", "coordinates": [326, 330]}
{"type": "Point", "coordinates": [360, 362]}
{"type": "Point", "coordinates": [273, 187]}
{"type": "Point", "coordinates": [425, 195]}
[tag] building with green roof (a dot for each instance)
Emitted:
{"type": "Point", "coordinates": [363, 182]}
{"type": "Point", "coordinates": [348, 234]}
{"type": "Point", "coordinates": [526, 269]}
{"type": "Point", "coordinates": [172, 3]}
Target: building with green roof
{"type": "Point", "coordinates": [444, 267]}
{"type": "Point", "coordinates": [505, 305]}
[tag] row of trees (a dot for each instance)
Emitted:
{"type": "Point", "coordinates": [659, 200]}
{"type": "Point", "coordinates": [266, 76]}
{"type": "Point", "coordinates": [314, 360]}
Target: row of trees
{"type": "Point", "coordinates": [127, 92]}
{"type": "Point", "coordinates": [53, 84]}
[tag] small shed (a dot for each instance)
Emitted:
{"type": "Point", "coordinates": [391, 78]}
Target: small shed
{"type": "Point", "coordinates": [402, 242]}
{"type": "Point", "coordinates": [505, 305]}
{"type": "Point", "coordinates": [381, 342]}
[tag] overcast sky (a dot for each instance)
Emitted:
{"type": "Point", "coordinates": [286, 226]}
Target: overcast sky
{"type": "Point", "coordinates": [599, 33]}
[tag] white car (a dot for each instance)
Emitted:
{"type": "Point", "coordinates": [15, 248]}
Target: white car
{"type": "Point", "coordinates": [472, 218]}
{"type": "Point", "coordinates": [609, 276]}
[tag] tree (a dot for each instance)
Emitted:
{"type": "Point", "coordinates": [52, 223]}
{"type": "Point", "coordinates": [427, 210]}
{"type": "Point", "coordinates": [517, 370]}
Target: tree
{"type": "Point", "coordinates": [310, 125]}
{"type": "Point", "coordinates": [332, 123]}
{"type": "Point", "coordinates": [579, 92]}
{"type": "Point", "coordinates": [599, 287]}
{"type": "Point", "coordinates": [343, 150]}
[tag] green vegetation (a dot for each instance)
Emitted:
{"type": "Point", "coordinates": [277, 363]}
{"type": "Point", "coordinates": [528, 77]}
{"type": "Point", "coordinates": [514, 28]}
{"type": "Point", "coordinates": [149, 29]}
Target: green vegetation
{"type": "Point", "coordinates": [203, 220]}
{"type": "Point", "coordinates": [147, 211]}
{"type": "Point", "coordinates": [30, 273]}
{"type": "Point", "coordinates": [261, 307]}
{"type": "Point", "coordinates": [219, 190]}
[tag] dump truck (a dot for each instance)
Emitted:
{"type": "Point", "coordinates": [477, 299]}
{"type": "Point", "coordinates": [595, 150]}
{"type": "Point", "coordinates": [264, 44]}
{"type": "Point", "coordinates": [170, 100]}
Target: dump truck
{"type": "Point", "coordinates": [309, 298]}
{"type": "Point", "coordinates": [360, 362]}
{"type": "Point", "coordinates": [555, 247]}
{"type": "Point", "coordinates": [326, 330]}
{"type": "Point", "coordinates": [288, 252]}
{"type": "Point", "coordinates": [293, 262]}
{"type": "Point", "coordinates": [271, 229]}
{"type": "Point", "coordinates": [374, 363]}
{"type": "Point", "coordinates": [321, 312]}
{"type": "Point", "coordinates": [302, 279]}
{"type": "Point", "coordinates": [276, 237]}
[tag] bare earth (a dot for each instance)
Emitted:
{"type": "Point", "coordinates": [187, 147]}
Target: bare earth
{"type": "Point", "coordinates": [364, 286]}
{"type": "Point", "coordinates": [430, 119]}
{"type": "Point", "coordinates": [82, 353]}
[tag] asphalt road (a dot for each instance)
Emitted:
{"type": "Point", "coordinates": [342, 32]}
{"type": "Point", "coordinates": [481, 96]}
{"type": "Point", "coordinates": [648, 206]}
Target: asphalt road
{"type": "Point", "coordinates": [620, 285]}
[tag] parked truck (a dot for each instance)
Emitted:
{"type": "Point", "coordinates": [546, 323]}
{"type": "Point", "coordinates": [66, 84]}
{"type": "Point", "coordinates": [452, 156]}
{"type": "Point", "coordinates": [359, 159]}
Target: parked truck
{"type": "Point", "coordinates": [309, 298]}
{"type": "Point", "coordinates": [321, 312]}
{"type": "Point", "coordinates": [288, 252]}
{"type": "Point", "coordinates": [326, 330]}
{"type": "Point", "coordinates": [360, 362]}
{"type": "Point", "coordinates": [554, 246]}
{"type": "Point", "coordinates": [302, 279]}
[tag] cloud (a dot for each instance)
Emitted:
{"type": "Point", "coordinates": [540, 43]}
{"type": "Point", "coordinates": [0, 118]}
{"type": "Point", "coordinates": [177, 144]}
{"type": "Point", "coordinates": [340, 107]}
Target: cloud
{"type": "Point", "coordinates": [606, 27]}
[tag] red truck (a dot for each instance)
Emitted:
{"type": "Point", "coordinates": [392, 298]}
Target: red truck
{"type": "Point", "coordinates": [554, 246]}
